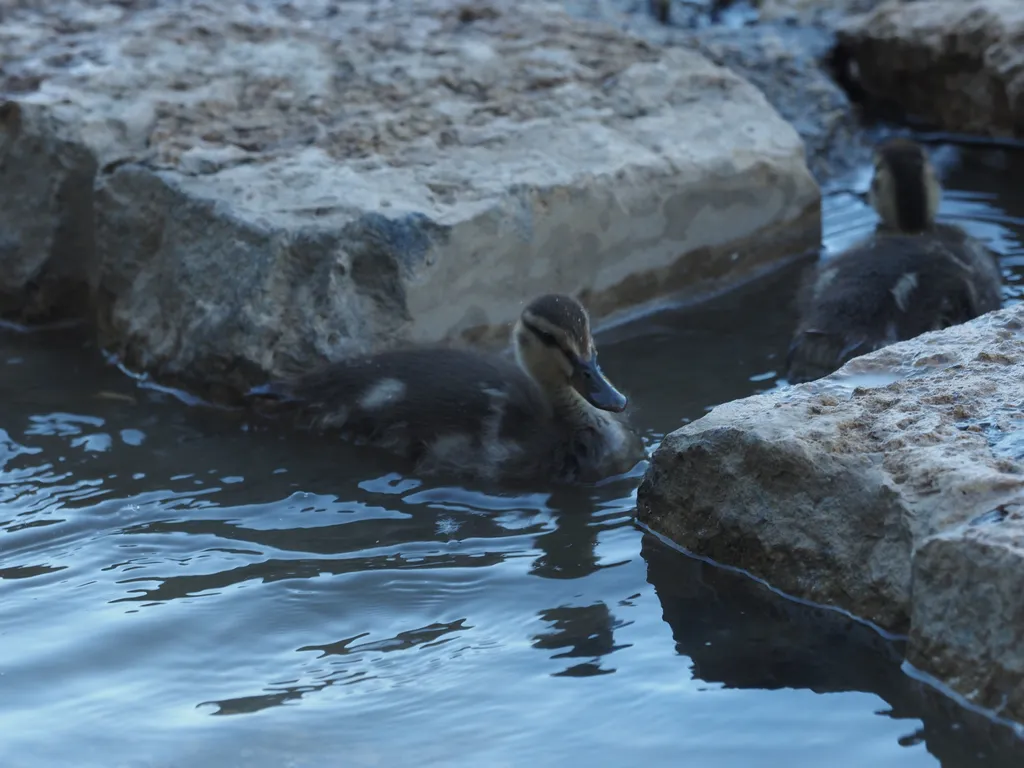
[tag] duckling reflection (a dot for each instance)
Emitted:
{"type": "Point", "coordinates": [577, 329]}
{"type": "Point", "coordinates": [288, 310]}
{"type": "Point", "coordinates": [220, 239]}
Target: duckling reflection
{"type": "Point", "coordinates": [550, 415]}
{"type": "Point", "coordinates": [912, 276]}
{"type": "Point", "coordinates": [585, 634]}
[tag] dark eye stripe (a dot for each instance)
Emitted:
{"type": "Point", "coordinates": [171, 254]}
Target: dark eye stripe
{"type": "Point", "coordinates": [546, 338]}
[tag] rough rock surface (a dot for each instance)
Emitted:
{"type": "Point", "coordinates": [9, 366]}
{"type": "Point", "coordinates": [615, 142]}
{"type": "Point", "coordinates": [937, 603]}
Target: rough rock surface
{"type": "Point", "coordinates": [967, 614]}
{"type": "Point", "coordinates": [812, 11]}
{"type": "Point", "coordinates": [789, 64]}
{"type": "Point", "coordinates": [283, 183]}
{"type": "Point", "coordinates": [891, 489]}
{"type": "Point", "coordinates": [958, 65]}
{"type": "Point", "coordinates": [784, 47]}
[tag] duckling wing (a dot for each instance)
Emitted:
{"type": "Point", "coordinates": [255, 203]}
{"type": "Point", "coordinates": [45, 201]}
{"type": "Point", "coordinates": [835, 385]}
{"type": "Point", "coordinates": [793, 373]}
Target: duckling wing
{"type": "Point", "coordinates": [889, 289]}
{"type": "Point", "coordinates": [424, 403]}
{"type": "Point", "coordinates": [982, 264]}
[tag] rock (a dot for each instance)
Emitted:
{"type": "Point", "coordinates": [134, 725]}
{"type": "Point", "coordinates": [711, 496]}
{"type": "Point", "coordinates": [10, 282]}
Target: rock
{"type": "Point", "coordinates": [968, 609]}
{"type": "Point", "coordinates": [789, 65]}
{"type": "Point", "coordinates": [889, 489]}
{"type": "Point", "coordinates": [812, 11]}
{"type": "Point", "coordinates": [957, 65]}
{"type": "Point", "coordinates": [784, 47]}
{"type": "Point", "coordinates": [276, 185]}
{"type": "Point", "coordinates": [46, 216]}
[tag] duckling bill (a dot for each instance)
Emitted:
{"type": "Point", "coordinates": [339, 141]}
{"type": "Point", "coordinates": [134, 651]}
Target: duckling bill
{"type": "Point", "coordinates": [550, 414]}
{"type": "Point", "coordinates": [912, 276]}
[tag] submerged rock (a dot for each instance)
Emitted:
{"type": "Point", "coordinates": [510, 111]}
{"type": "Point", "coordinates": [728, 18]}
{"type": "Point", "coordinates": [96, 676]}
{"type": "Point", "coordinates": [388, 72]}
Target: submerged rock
{"type": "Point", "coordinates": [959, 65]}
{"type": "Point", "coordinates": [891, 489]}
{"type": "Point", "coordinates": [280, 184]}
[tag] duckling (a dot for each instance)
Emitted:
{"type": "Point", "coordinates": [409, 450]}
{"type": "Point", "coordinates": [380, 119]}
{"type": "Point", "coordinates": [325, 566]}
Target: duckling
{"type": "Point", "coordinates": [551, 414]}
{"type": "Point", "coordinates": [911, 276]}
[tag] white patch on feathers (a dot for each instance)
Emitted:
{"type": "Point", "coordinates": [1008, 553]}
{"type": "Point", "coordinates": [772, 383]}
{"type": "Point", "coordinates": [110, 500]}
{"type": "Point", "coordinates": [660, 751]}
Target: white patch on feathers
{"type": "Point", "coordinates": [382, 393]}
{"type": "Point", "coordinates": [903, 288]}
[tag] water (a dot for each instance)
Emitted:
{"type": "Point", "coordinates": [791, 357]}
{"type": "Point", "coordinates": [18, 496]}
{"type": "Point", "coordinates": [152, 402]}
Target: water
{"type": "Point", "coordinates": [179, 588]}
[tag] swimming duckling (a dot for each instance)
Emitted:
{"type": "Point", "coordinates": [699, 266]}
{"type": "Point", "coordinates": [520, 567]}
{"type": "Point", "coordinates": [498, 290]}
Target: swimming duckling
{"type": "Point", "coordinates": [552, 414]}
{"type": "Point", "coordinates": [912, 276]}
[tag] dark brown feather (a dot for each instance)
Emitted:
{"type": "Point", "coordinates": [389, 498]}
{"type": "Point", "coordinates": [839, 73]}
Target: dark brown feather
{"type": "Point", "coordinates": [565, 313]}
{"type": "Point", "coordinates": [848, 306]}
{"type": "Point", "coordinates": [487, 401]}
{"type": "Point", "coordinates": [907, 162]}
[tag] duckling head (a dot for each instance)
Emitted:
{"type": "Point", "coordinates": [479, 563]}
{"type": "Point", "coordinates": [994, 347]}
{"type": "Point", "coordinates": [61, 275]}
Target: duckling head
{"type": "Point", "coordinates": [553, 344]}
{"type": "Point", "coordinates": [905, 191]}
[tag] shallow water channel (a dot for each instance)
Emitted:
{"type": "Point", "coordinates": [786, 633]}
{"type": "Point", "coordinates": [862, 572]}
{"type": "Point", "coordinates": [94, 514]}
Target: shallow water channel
{"type": "Point", "coordinates": [177, 588]}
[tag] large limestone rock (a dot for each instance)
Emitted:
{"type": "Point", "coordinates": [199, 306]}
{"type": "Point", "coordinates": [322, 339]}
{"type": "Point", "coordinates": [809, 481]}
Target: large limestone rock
{"type": "Point", "coordinates": [892, 489]}
{"type": "Point", "coordinates": [276, 184]}
{"type": "Point", "coordinates": [788, 62]}
{"type": "Point", "coordinates": [784, 47]}
{"type": "Point", "coordinates": [959, 65]}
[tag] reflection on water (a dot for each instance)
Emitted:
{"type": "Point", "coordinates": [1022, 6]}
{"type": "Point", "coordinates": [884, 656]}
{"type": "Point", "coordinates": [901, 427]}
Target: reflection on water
{"type": "Point", "coordinates": [181, 586]}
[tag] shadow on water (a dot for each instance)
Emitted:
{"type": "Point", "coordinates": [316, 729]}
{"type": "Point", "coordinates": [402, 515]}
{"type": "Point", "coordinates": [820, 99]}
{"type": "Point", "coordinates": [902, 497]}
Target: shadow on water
{"type": "Point", "coordinates": [232, 595]}
{"type": "Point", "coordinates": [739, 634]}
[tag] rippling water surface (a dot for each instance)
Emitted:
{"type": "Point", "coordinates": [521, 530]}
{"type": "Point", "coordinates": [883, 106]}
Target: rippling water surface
{"type": "Point", "coordinates": [179, 588]}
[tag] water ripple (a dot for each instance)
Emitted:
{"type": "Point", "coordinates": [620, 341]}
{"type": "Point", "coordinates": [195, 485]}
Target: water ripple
{"type": "Point", "coordinates": [231, 596]}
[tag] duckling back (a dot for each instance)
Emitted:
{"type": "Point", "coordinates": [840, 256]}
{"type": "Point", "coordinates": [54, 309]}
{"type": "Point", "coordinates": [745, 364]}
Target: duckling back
{"type": "Point", "coordinates": [985, 276]}
{"type": "Point", "coordinates": [914, 275]}
{"type": "Point", "coordinates": [893, 287]}
{"type": "Point", "coordinates": [437, 406]}
{"type": "Point", "coordinates": [450, 411]}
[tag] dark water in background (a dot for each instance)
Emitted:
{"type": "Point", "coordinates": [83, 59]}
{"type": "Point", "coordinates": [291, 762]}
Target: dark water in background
{"type": "Point", "coordinates": [177, 589]}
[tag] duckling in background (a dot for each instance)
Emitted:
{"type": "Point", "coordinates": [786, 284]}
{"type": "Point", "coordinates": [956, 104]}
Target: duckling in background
{"type": "Point", "coordinates": [912, 276]}
{"type": "Point", "coordinates": [550, 415]}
